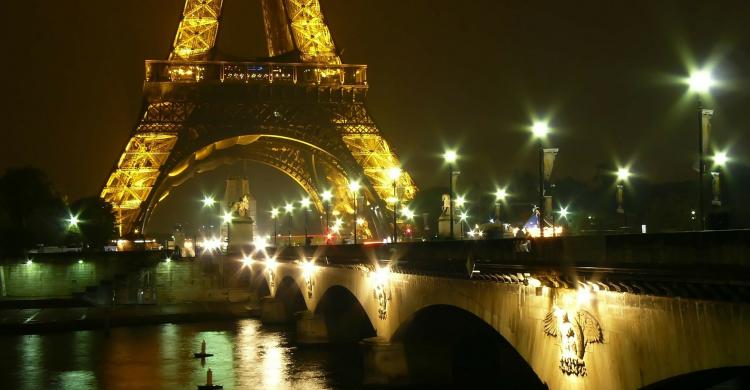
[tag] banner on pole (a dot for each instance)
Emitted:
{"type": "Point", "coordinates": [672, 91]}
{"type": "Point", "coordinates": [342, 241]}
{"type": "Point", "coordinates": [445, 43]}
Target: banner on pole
{"type": "Point", "coordinates": [549, 161]}
{"type": "Point", "coordinates": [706, 129]}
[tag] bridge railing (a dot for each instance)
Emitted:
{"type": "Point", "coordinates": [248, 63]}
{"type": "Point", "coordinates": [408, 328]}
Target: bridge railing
{"type": "Point", "coordinates": [256, 72]}
{"type": "Point", "coordinates": [697, 253]}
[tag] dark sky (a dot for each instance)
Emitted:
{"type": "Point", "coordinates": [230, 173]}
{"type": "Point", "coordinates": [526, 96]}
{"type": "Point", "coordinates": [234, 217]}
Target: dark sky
{"type": "Point", "coordinates": [464, 73]}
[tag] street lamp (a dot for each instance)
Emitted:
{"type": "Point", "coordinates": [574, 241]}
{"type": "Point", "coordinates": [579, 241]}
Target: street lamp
{"type": "Point", "coordinates": [563, 212]}
{"type": "Point", "coordinates": [227, 218]}
{"type": "Point", "coordinates": [700, 83]}
{"type": "Point", "coordinates": [500, 195]}
{"type": "Point", "coordinates": [720, 160]}
{"type": "Point", "coordinates": [623, 173]}
{"type": "Point", "coordinates": [208, 201]}
{"type": "Point", "coordinates": [275, 217]}
{"type": "Point", "coordinates": [327, 196]}
{"type": "Point", "coordinates": [462, 220]}
{"type": "Point", "coordinates": [354, 188]}
{"type": "Point", "coordinates": [305, 205]}
{"type": "Point", "coordinates": [289, 208]}
{"type": "Point", "coordinates": [73, 221]}
{"type": "Point", "coordinates": [394, 173]}
{"type": "Point", "coordinates": [540, 130]}
{"type": "Point", "coordinates": [450, 157]}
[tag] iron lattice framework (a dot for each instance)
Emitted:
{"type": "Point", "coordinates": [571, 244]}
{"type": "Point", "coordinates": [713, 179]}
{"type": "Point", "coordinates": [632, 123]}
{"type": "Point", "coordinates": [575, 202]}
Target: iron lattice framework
{"type": "Point", "coordinates": [303, 114]}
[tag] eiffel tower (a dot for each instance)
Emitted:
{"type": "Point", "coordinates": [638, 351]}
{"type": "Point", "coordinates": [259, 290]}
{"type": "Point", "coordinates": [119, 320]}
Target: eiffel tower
{"type": "Point", "coordinates": [299, 110]}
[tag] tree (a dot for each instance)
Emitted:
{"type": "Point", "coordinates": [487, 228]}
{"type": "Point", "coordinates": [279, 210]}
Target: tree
{"type": "Point", "coordinates": [31, 211]}
{"type": "Point", "coordinates": [96, 226]}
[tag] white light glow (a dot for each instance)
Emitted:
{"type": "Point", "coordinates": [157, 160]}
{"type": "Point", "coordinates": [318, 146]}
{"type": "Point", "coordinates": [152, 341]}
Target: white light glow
{"type": "Point", "coordinates": [701, 81]}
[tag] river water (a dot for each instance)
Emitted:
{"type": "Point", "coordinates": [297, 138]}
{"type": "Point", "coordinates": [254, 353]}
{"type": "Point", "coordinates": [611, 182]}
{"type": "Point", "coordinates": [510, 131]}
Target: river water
{"type": "Point", "coordinates": [247, 356]}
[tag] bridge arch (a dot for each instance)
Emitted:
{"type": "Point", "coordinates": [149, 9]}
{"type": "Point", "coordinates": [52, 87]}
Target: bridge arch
{"type": "Point", "coordinates": [311, 167]}
{"type": "Point", "coordinates": [345, 317]}
{"type": "Point", "coordinates": [444, 343]}
{"type": "Point", "coordinates": [289, 295]}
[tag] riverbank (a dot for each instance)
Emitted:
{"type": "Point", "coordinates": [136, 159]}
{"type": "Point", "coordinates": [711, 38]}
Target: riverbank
{"type": "Point", "coordinates": [50, 319]}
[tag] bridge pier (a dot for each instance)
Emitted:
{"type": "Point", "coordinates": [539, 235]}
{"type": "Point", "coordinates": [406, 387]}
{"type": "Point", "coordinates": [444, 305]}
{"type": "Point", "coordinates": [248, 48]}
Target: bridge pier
{"type": "Point", "coordinates": [384, 362]}
{"type": "Point", "coordinates": [311, 328]}
{"type": "Point", "coordinates": [273, 311]}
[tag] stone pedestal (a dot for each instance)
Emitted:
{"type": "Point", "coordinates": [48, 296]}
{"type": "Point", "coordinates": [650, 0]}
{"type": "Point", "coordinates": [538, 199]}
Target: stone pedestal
{"type": "Point", "coordinates": [444, 227]}
{"type": "Point", "coordinates": [311, 328]}
{"type": "Point", "coordinates": [384, 362]}
{"type": "Point", "coordinates": [272, 311]}
{"type": "Point", "coordinates": [240, 234]}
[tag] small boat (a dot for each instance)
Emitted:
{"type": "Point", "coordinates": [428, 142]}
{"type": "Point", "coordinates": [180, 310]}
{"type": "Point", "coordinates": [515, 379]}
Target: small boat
{"type": "Point", "coordinates": [210, 382]}
{"type": "Point", "coordinates": [202, 354]}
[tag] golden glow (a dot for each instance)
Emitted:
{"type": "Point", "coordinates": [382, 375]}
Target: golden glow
{"type": "Point", "coordinates": [227, 217]}
{"type": "Point", "coordinates": [533, 282]}
{"type": "Point", "coordinates": [394, 173]}
{"type": "Point", "coordinates": [584, 295]}
{"type": "Point", "coordinates": [372, 152]}
{"type": "Point", "coordinates": [360, 221]}
{"type": "Point", "coordinates": [407, 213]}
{"type": "Point", "coordinates": [311, 34]}
{"type": "Point", "coordinates": [308, 269]}
{"type": "Point", "coordinates": [271, 263]}
{"type": "Point", "coordinates": [381, 275]}
{"type": "Point", "coordinates": [247, 260]}
{"type": "Point", "coordinates": [197, 30]}
{"type": "Point", "coordinates": [274, 213]}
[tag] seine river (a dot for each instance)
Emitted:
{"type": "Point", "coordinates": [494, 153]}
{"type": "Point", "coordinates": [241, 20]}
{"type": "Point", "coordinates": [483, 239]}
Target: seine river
{"type": "Point", "coordinates": [247, 355]}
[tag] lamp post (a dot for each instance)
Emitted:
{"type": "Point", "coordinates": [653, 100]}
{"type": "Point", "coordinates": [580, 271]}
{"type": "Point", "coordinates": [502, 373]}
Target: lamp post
{"type": "Point", "coordinates": [622, 177]}
{"type": "Point", "coordinates": [408, 214]}
{"type": "Point", "coordinates": [460, 202]}
{"type": "Point", "coordinates": [275, 217]}
{"type": "Point", "coordinates": [394, 173]}
{"type": "Point", "coordinates": [540, 131]}
{"type": "Point", "coordinates": [500, 195]}
{"type": "Point", "coordinates": [450, 157]}
{"type": "Point", "coordinates": [327, 196]}
{"type": "Point", "coordinates": [720, 160]}
{"type": "Point", "coordinates": [208, 201]}
{"type": "Point", "coordinates": [700, 83]}
{"type": "Point", "coordinates": [289, 208]}
{"type": "Point", "coordinates": [305, 206]}
{"type": "Point", "coordinates": [462, 220]}
{"type": "Point", "coordinates": [354, 188]}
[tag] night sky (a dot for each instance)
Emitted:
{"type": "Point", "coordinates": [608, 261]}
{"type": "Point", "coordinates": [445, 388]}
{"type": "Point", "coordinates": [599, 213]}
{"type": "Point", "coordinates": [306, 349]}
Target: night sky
{"type": "Point", "coordinates": [470, 74]}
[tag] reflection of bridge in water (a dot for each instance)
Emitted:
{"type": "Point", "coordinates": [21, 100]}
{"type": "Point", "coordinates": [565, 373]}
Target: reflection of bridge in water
{"type": "Point", "coordinates": [577, 312]}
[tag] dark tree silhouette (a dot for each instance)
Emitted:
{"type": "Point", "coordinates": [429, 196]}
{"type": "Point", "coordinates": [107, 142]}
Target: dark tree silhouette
{"type": "Point", "coordinates": [31, 211]}
{"type": "Point", "coordinates": [96, 226]}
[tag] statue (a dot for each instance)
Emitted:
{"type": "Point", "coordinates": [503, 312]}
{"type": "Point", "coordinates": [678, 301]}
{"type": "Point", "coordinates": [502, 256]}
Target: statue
{"type": "Point", "coordinates": [446, 204]}
{"type": "Point", "coordinates": [242, 207]}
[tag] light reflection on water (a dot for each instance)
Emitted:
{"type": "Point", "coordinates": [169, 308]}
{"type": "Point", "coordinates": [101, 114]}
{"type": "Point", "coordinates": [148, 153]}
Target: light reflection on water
{"type": "Point", "coordinates": [247, 356]}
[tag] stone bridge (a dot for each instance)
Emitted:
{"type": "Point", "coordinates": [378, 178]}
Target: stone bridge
{"type": "Point", "coordinates": [619, 312]}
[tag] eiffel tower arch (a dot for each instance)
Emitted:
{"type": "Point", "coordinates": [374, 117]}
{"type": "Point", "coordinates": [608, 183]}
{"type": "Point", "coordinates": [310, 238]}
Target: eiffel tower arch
{"type": "Point", "coordinates": [300, 110]}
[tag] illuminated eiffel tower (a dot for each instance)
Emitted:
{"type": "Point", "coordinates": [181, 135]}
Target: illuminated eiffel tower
{"type": "Point", "coordinates": [300, 111]}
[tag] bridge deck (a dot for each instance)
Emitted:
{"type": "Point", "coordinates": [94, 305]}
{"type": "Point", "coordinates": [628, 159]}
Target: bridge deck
{"type": "Point", "coordinates": [699, 265]}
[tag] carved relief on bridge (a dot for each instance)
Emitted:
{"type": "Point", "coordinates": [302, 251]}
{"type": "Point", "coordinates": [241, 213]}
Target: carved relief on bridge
{"type": "Point", "coordinates": [381, 290]}
{"type": "Point", "coordinates": [576, 328]}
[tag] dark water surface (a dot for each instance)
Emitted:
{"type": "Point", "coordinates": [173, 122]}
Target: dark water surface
{"type": "Point", "coordinates": [247, 356]}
